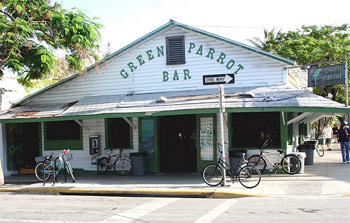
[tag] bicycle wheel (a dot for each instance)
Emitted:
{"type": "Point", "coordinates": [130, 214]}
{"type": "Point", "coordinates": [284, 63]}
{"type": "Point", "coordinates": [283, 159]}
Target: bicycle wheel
{"type": "Point", "coordinates": [122, 167]}
{"type": "Point", "coordinates": [39, 174]}
{"type": "Point", "coordinates": [70, 171]}
{"type": "Point", "coordinates": [213, 175]}
{"type": "Point", "coordinates": [291, 164]}
{"type": "Point", "coordinates": [102, 165]}
{"type": "Point", "coordinates": [320, 150]}
{"type": "Point", "coordinates": [249, 176]}
{"type": "Point", "coordinates": [259, 163]}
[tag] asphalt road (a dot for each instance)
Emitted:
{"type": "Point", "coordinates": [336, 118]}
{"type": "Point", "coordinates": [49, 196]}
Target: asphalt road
{"type": "Point", "coordinates": [47, 208]}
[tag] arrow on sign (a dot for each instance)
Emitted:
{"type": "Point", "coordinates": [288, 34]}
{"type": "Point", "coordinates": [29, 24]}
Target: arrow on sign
{"type": "Point", "coordinates": [218, 79]}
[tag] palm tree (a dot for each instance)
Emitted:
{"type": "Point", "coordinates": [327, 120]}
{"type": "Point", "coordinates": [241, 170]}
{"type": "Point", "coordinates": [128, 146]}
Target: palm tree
{"type": "Point", "coordinates": [269, 42]}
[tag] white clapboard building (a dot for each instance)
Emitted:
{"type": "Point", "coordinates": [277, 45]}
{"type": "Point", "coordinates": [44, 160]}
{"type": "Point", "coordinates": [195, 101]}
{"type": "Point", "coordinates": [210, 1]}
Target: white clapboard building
{"type": "Point", "coordinates": [159, 96]}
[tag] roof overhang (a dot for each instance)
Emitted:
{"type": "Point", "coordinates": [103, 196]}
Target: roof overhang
{"type": "Point", "coordinates": [254, 99]}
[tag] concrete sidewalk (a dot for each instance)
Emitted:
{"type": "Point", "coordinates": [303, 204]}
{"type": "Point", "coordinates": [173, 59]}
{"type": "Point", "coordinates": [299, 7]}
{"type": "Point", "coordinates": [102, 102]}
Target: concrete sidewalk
{"type": "Point", "coordinates": [327, 177]}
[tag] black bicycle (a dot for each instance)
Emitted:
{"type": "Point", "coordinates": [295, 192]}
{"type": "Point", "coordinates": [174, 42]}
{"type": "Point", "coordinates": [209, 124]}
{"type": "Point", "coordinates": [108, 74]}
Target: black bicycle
{"type": "Point", "coordinates": [249, 176]}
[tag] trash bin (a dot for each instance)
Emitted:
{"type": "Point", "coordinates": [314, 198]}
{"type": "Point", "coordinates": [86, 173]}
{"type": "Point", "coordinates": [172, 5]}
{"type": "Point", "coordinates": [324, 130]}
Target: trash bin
{"type": "Point", "coordinates": [301, 156]}
{"type": "Point", "coordinates": [138, 164]}
{"type": "Point", "coordinates": [311, 142]}
{"type": "Point", "coordinates": [309, 150]}
{"type": "Point", "coordinates": [236, 159]}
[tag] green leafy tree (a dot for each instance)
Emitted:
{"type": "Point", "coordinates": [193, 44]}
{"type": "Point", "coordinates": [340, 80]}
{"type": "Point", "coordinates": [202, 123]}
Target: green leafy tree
{"type": "Point", "coordinates": [311, 44]}
{"type": "Point", "coordinates": [33, 32]}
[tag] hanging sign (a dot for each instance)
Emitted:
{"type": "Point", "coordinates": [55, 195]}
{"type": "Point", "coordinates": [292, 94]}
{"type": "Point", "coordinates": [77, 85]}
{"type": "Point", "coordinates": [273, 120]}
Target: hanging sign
{"type": "Point", "coordinates": [327, 75]}
{"type": "Point", "coordinates": [218, 79]}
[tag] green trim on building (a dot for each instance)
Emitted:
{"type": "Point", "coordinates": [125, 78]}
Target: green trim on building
{"type": "Point", "coordinates": [40, 139]}
{"type": "Point", "coordinates": [181, 112]}
{"type": "Point", "coordinates": [289, 116]}
{"type": "Point", "coordinates": [63, 144]}
{"type": "Point", "coordinates": [152, 166]}
{"type": "Point", "coordinates": [107, 136]}
{"type": "Point", "coordinates": [201, 164]}
{"type": "Point", "coordinates": [284, 131]}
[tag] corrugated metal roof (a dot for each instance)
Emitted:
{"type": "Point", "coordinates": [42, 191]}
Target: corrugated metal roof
{"type": "Point", "coordinates": [260, 97]}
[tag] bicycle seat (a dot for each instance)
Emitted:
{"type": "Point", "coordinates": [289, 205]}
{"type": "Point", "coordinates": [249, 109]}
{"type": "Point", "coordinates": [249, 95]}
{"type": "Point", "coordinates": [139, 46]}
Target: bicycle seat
{"type": "Point", "coordinates": [280, 151]}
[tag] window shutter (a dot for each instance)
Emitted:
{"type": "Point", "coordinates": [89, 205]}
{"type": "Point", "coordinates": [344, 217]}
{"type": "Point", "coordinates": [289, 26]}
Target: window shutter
{"type": "Point", "coordinates": [175, 50]}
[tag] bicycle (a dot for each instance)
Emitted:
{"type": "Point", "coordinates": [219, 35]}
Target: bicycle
{"type": "Point", "coordinates": [289, 163]}
{"type": "Point", "coordinates": [249, 176]}
{"type": "Point", "coordinates": [318, 145]}
{"type": "Point", "coordinates": [121, 165]}
{"type": "Point", "coordinates": [47, 168]}
{"type": "Point", "coordinates": [319, 148]}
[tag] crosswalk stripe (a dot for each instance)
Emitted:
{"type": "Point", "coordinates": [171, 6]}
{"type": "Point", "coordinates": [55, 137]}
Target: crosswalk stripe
{"type": "Point", "coordinates": [214, 213]}
{"type": "Point", "coordinates": [141, 210]}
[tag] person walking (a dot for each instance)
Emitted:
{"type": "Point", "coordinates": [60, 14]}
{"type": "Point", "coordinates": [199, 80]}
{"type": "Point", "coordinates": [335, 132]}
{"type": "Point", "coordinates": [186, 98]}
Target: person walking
{"type": "Point", "coordinates": [327, 133]}
{"type": "Point", "coordinates": [344, 141]}
{"type": "Point", "coordinates": [335, 133]}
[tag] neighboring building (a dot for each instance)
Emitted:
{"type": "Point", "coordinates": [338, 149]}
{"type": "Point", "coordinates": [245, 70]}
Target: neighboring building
{"type": "Point", "coordinates": [149, 96]}
{"type": "Point", "coordinates": [10, 91]}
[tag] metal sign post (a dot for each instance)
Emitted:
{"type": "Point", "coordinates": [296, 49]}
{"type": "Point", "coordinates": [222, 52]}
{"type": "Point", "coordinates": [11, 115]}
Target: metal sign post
{"type": "Point", "coordinates": [222, 110]}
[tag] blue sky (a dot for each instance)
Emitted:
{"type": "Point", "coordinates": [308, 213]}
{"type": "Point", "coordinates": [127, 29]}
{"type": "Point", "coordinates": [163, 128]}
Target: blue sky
{"type": "Point", "coordinates": [127, 20]}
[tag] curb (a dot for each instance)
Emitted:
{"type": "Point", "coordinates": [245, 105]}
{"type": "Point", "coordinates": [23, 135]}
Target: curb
{"type": "Point", "coordinates": [133, 192]}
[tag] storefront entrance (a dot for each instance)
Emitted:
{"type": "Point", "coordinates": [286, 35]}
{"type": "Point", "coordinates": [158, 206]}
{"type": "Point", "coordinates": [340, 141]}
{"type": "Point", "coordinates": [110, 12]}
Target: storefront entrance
{"type": "Point", "coordinates": [23, 145]}
{"type": "Point", "coordinates": [178, 143]}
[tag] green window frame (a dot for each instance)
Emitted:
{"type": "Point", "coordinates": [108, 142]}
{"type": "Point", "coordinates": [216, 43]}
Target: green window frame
{"type": "Point", "coordinates": [112, 142]}
{"type": "Point", "coordinates": [59, 144]}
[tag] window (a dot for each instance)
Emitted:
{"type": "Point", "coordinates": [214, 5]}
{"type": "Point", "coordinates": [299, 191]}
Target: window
{"type": "Point", "coordinates": [247, 127]}
{"type": "Point", "coordinates": [63, 134]}
{"type": "Point", "coordinates": [65, 130]}
{"type": "Point", "coordinates": [175, 50]}
{"type": "Point", "coordinates": [119, 133]}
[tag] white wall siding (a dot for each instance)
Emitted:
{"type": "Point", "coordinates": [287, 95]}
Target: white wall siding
{"type": "Point", "coordinates": [258, 70]}
{"type": "Point", "coordinates": [82, 158]}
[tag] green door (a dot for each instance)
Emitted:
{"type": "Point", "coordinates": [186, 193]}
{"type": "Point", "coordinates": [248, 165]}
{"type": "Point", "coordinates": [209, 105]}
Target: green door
{"type": "Point", "coordinates": [206, 140]}
{"type": "Point", "coordinates": [148, 144]}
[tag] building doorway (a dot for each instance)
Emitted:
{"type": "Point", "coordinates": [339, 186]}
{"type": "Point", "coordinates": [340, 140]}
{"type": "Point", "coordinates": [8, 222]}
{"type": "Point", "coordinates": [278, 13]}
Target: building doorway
{"type": "Point", "coordinates": [178, 143]}
{"type": "Point", "coordinates": [23, 145]}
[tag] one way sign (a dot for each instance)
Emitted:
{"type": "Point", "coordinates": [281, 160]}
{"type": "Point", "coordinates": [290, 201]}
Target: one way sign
{"type": "Point", "coordinates": [218, 79]}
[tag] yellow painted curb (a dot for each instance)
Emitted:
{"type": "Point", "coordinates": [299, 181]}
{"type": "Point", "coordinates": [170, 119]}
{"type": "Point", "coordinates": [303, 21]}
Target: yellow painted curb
{"type": "Point", "coordinates": [127, 191]}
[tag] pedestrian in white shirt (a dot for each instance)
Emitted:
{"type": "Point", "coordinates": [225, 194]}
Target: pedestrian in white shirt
{"type": "Point", "coordinates": [328, 134]}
